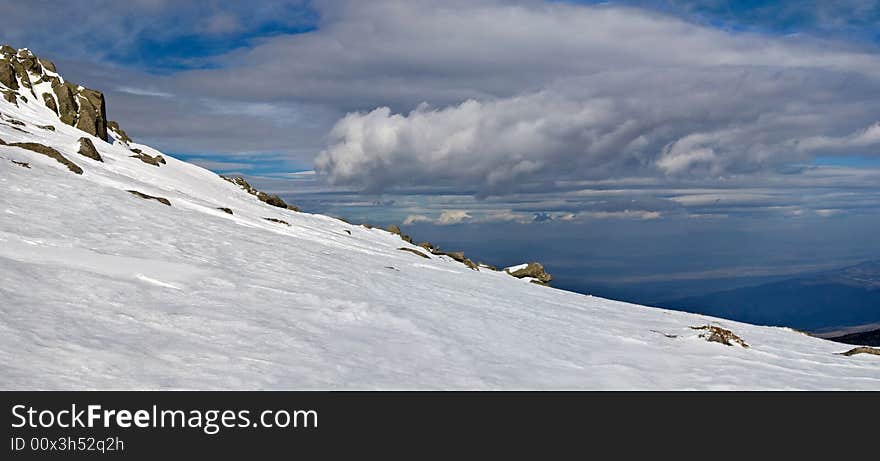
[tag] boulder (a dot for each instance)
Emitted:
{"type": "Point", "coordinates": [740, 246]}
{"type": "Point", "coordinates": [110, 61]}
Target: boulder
{"type": "Point", "coordinates": [87, 149]}
{"type": "Point", "coordinates": [225, 210]}
{"type": "Point", "coordinates": [534, 271]}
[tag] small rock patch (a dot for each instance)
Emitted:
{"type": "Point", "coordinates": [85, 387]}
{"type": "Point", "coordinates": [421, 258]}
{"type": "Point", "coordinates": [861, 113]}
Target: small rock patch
{"type": "Point", "coordinates": [415, 252]}
{"type": "Point", "coordinates": [279, 221]}
{"type": "Point", "coordinates": [715, 334]}
{"type": "Point", "coordinates": [142, 195]}
{"type": "Point", "coordinates": [861, 350]}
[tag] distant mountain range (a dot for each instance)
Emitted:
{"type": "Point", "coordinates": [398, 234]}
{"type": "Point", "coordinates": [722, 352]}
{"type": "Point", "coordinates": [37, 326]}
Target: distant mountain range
{"type": "Point", "coordinates": [824, 301]}
{"type": "Point", "coordinates": [864, 338]}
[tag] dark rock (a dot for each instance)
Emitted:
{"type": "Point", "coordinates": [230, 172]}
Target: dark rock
{"type": "Point", "coordinates": [720, 335]}
{"type": "Point", "coordinates": [114, 127]}
{"type": "Point", "coordinates": [394, 229]}
{"type": "Point", "coordinates": [225, 210]}
{"type": "Point", "coordinates": [22, 164]}
{"type": "Point", "coordinates": [49, 152]}
{"type": "Point", "coordinates": [279, 221]}
{"type": "Point", "coordinates": [533, 270]}
{"type": "Point", "coordinates": [11, 96]}
{"type": "Point", "coordinates": [460, 257]}
{"type": "Point", "coordinates": [415, 252]}
{"type": "Point", "coordinates": [146, 158]}
{"type": "Point", "coordinates": [76, 106]}
{"type": "Point", "coordinates": [67, 108]}
{"type": "Point", "coordinates": [270, 199]}
{"type": "Point", "coordinates": [47, 64]}
{"type": "Point", "coordinates": [142, 195]}
{"type": "Point", "coordinates": [46, 127]}
{"type": "Point", "coordinates": [861, 350]}
{"type": "Point", "coordinates": [92, 115]}
{"type": "Point", "coordinates": [87, 149]}
{"type": "Point", "coordinates": [7, 75]}
{"type": "Point", "coordinates": [429, 246]}
{"type": "Point", "coordinates": [346, 231]}
{"type": "Point", "coordinates": [49, 101]}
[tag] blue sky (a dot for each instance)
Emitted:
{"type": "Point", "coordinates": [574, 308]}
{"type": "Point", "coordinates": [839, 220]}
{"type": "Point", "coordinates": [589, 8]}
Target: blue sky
{"type": "Point", "coordinates": [568, 122]}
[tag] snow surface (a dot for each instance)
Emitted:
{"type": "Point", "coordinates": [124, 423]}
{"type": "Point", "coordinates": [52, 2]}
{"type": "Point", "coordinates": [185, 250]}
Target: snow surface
{"type": "Point", "coordinates": [101, 289]}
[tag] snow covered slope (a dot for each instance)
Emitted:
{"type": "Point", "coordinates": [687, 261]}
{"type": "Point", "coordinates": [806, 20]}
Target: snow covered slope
{"type": "Point", "coordinates": [100, 288]}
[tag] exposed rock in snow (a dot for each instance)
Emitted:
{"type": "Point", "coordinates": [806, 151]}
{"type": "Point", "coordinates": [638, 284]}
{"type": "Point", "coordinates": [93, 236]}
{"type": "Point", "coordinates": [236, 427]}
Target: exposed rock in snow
{"type": "Point", "coordinates": [22, 73]}
{"type": "Point", "coordinates": [716, 334]}
{"type": "Point", "coordinates": [87, 149]}
{"type": "Point", "coordinates": [861, 350]}
{"type": "Point", "coordinates": [415, 252]}
{"type": "Point", "coordinates": [101, 291]}
{"type": "Point", "coordinates": [147, 158]}
{"type": "Point", "coordinates": [533, 271]}
{"type": "Point", "coordinates": [142, 195]}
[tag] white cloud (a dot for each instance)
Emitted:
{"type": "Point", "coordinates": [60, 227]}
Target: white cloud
{"type": "Point", "coordinates": [416, 218]}
{"type": "Point", "coordinates": [450, 217]}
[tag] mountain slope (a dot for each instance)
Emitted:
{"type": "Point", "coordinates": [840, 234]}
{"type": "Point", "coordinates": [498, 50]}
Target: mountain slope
{"type": "Point", "coordinates": [103, 288]}
{"type": "Point", "coordinates": [839, 298]}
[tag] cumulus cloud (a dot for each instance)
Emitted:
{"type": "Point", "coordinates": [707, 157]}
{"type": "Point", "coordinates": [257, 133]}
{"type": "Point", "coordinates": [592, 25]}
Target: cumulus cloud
{"type": "Point", "coordinates": [450, 217]}
{"type": "Point", "coordinates": [487, 97]}
{"type": "Point", "coordinates": [416, 218]}
{"type": "Point", "coordinates": [607, 92]}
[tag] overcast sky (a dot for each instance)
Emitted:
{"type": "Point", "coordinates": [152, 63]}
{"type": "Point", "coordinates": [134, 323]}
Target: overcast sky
{"type": "Point", "coordinates": [518, 112]}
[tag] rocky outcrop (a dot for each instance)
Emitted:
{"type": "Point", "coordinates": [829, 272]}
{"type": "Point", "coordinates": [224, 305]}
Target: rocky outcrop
{"type": "Point", "coordinates": [7, 75]}
{"type": "Point", "coordinates": [225, 210]}
{"type": "Point", "coordinates": [75, 105]}
{"type": "Point", "coordinates": [142, 195]}
{"type": "Point", "coordinates": [120, 133]}
{"type": "Point", "coordinates": [270, 199]}
{"type": "Point", "coordinates": [91, 114]}
{"type": "Point", "coordinates": [535, 271]}
{"type": "Point", "coordinates": [86, 148]}
{"type": "Point", "coordinates": [279, 221]}
{"type": "Point", "coordinates": [394, 229]}
{"type": "Point", "coordinates": [47, 151]}
{"type": "Point", "coordinates": [460, 257]}
{"type": "Point", "coordinates": [715, 334]}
